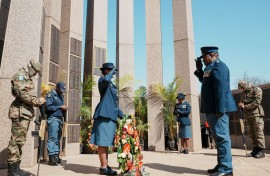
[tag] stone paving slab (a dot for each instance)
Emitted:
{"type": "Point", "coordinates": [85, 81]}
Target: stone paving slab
{"type": "Point", "coordinates": [160, 164]}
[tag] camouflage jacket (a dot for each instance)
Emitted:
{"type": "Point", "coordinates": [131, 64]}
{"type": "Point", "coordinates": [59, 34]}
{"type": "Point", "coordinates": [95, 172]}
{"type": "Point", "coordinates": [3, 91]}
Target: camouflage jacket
{"type": "Point", "coordinates": [252, 99]}
{"type": "Point", "coordinates": [22, 89]}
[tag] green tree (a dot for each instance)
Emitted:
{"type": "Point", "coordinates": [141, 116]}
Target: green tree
{"type": "Point", "coordinates": [140, 103]}
{"type": "Point", "coordinates": [167, 95]}
{"type": "Point", "coordinates": [86, 110]}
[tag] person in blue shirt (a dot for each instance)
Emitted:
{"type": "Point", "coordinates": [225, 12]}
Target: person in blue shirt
{"type": "Point", "coordinates": [182, 110]}
{"type": "Point", "coordinates": [56, 112]}
{"type": "Point", "coordinates": [105, 117]}
{"type": "Point", "coordinates": [217, 102]}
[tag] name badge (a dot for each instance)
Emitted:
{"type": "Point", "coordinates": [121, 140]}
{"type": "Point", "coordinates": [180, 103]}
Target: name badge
{"type": "Point", "coordinates": [184, 106]}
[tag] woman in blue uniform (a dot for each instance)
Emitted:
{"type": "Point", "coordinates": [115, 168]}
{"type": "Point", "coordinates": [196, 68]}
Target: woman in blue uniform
{"type": "Point", "coordinates": [182, 111]}
{"type": "Point", "coordinates": [105, 117]}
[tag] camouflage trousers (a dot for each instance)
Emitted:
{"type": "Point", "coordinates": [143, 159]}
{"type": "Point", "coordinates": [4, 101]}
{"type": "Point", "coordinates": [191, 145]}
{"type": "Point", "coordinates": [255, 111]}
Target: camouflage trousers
{"type": "Point", "coordinates": [255, 130]}
{"type": "Point", "coordinates": [19, 130]}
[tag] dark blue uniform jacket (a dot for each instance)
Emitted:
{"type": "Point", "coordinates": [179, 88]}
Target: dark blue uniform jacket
{"type": "Point", "coordinates": [182, 111]}
{"type": "Point", "coordinates": [216, 96]}
{"type": "Point", "coordinates": [108, 105]}
{"type": "Point", "coordinates": [53, 103]}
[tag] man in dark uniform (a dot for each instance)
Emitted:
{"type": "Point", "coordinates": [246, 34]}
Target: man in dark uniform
{"type": "Point", "coordinates": [56, 110]}
{"type": "Point", "coordinates": [217, 102]}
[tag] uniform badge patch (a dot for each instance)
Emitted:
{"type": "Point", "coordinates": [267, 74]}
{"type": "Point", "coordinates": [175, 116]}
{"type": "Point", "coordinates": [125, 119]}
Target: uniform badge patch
{"type": "Point", "coordinates": [21, 77]}
{"type": "Point", "coordinates": [207, 73]}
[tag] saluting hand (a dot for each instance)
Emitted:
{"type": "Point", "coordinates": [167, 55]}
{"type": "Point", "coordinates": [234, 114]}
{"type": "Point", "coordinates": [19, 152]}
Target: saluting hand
{"type": "Point", "coordinates": [199, 64]}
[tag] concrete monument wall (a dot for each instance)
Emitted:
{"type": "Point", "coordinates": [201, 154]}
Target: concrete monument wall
{"type": "Point", "coordinates": [125, 52]}
{"type": "Point", "coordinates": [70, 52]}
{"type": "Point", "coordinates": [95, 42]}
{"type": "Point", "coordinates": [22, 43]}
{"type": "Point", "coordinates": [154, 74]}
{"type": "Point", "coordinates": [185, 64]}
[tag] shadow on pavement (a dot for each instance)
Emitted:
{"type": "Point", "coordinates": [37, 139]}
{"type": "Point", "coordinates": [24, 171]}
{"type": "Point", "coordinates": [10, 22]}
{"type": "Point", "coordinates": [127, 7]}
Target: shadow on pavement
{"type": "Point", "coordinates": [83, 169]}
{"type": "Point", "coordinates": [175, 169]}
{"type": "Point", "coordinates": [214, 154]}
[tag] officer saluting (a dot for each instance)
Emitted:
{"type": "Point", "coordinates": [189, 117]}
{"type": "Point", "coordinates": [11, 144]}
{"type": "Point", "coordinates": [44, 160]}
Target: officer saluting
{"type": "Point", "coordinates": [216, 102]}
{"type": "Point", "coordinates": [21, 111]}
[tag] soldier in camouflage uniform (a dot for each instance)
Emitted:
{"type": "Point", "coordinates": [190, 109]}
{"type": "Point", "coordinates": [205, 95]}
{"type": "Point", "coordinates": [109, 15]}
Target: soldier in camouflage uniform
{"type": "Point", "coordinates": [250, 102]}
{"type": "Point", "coordinates": [21, 112]}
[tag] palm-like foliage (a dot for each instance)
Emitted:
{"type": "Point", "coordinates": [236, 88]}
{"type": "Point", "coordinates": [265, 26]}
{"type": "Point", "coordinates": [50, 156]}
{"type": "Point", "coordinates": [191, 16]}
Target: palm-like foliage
{"type": "Point", "coordinates": [141, 127]}
{"type": "Point", "coordinates": [167, 95]}
{"type": "Point", "coordinates": [140, 103]}
{"type": "Point", "coordinates": [125, 91]}
{"type": "Point", "coordinates": [86, 111]}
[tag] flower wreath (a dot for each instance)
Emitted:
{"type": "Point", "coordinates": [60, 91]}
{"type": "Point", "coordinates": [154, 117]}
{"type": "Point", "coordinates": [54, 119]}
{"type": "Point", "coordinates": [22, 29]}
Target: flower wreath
{"type": "Point", "coordinates": [129, 154]}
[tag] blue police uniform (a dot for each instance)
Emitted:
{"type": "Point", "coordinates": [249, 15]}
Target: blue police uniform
{"type": "Point", "coordinates": [182, 110]}
{"type": "Point", "coordinates": [216, 102]}
{"type": "Point", "coordinates": [106, 113]}
{"type": "Point", "coordinates": [54, 121]}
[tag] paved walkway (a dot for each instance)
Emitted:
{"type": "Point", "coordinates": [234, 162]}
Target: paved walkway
{"type": "Point", "coordinates": [161, 164]}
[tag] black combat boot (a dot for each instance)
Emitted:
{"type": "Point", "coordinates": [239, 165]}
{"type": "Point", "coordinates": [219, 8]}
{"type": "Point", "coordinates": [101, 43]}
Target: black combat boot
{"type": "Point", "coordinates": [52, 160]}
{"type": "Point", "coordinates": [253, 153]}
{"type": "Point", "coordinates": [22, 172]}
{"type": "Point", "coordinates": [214, 170]}
{"type": "Point", "coordinates": [59, 160]}
{"type": "Point", "coordinates": [260, 153]}
{"type": "Point", "coordinates": [14, 170]}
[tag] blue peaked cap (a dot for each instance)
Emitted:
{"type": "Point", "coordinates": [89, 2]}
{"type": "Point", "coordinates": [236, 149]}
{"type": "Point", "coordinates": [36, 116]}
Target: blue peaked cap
{"type": "Point", "coordinates": [180, 96]}
{"type": "Point", "coordinates": [61, 86]}
{"type": "Point", "coordinates": [208, 49]}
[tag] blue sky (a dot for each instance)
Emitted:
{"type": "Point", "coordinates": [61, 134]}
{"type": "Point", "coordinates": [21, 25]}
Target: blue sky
{"type": "Point", "coordinates": [241, 30]}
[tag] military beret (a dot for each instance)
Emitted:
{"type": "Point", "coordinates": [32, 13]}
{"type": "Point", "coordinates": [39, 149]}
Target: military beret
{"type": "Point", "coordinates": [208, 49]}
{"type": "Point", "coordinates": [36, 66]}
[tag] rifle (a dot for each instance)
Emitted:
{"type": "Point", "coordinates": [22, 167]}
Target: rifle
{"type": "Point", "coordinates": [41, 134]}
{"type": "Point", "coordinates": [242, 125]}
{"type": "Point", "coordinates": [64, 132]}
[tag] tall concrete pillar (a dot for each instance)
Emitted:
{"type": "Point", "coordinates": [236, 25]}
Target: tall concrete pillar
{"type": "Point", "coordinates": [50, 61]}
{"type": "Point", "coordinates": [154, 74]}
{"type": "Point", "coordinates": [70, 68]}
{"type": "Point", "coordinates": [22, 43]}
{"type": "Point", "coordinates": [125, 51]}
{"type": "Point", "coordinates": [95, 42]}
{"type": "Point", "coordinates": [185, 64]}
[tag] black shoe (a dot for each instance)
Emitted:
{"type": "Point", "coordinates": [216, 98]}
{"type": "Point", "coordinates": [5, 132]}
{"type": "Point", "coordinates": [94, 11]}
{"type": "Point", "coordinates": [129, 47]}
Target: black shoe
{"type": "Point", "coordinates": [14, 170]}
{"type": "Point", "coordinates": [214, 170]}
{"type": "Point", "coordinates": [107, 171]}
{"type": "Point", "coordinates": [253, 153]}
{"type": "Point", "coordinates": [260, 154]}
{"type": "Point", "coordinates": [52, 160]}
{"type": "Point", "coordinates": [185, 151]}
{"type": "Point", "coordinates": [222, 174]}
{"type": "Point", "coordinates": [59, 160]}
{"type": "Point", "coordinates": [181, 151]}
